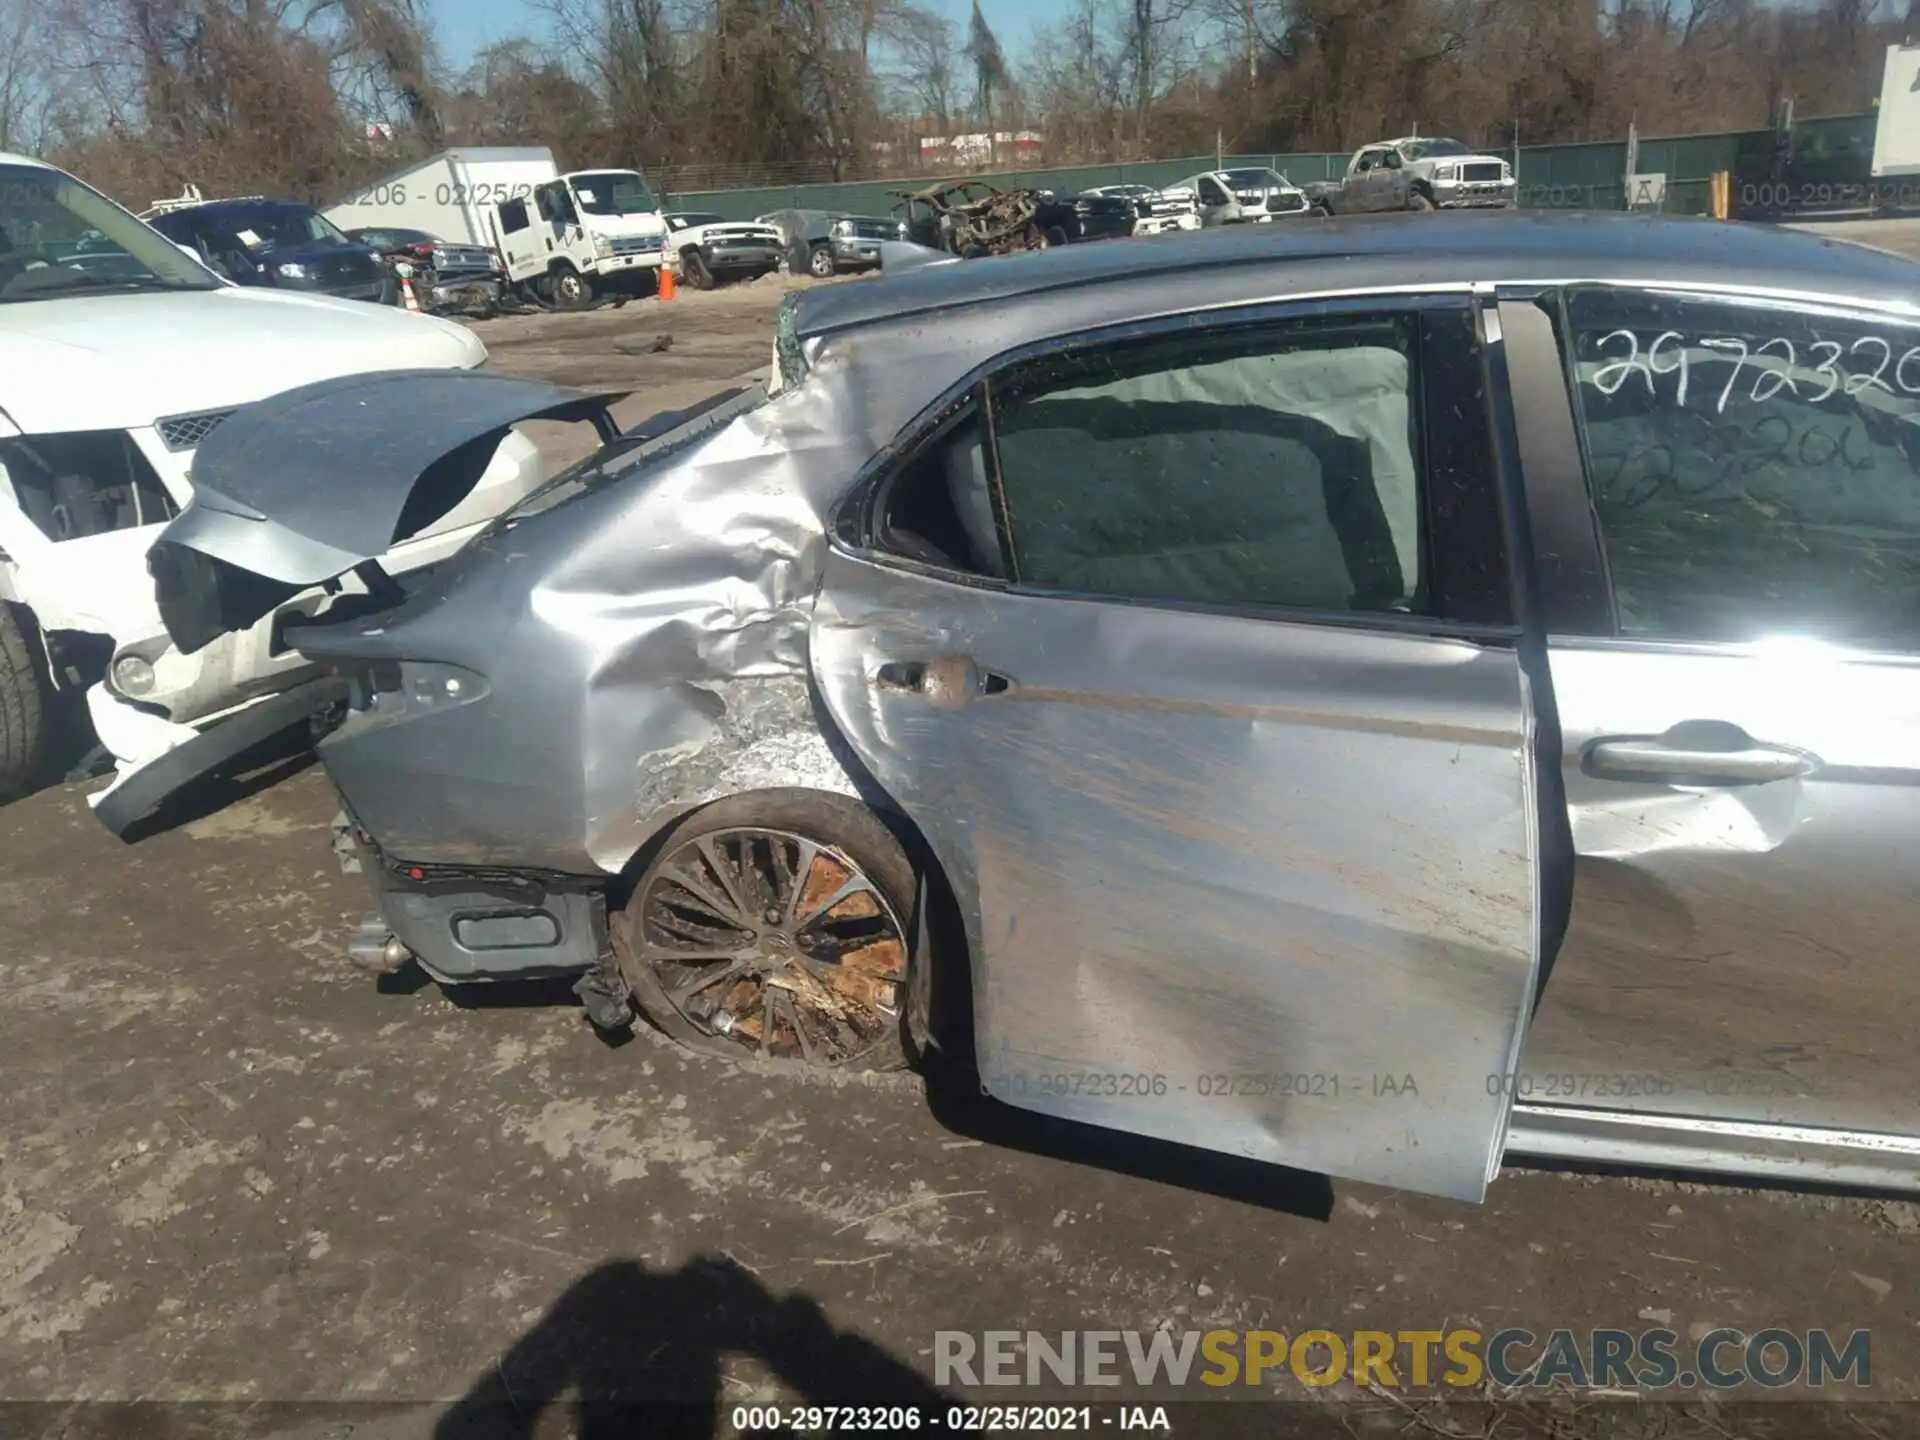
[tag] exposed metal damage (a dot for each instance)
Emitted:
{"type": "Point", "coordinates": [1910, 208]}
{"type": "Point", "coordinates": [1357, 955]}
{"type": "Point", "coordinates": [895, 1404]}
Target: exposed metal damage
{"type": "Point", "coordinates": [754, 734]}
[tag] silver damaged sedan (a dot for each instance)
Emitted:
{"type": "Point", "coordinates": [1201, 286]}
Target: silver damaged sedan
{"type": "Point", "coordinates": [1375, 696]}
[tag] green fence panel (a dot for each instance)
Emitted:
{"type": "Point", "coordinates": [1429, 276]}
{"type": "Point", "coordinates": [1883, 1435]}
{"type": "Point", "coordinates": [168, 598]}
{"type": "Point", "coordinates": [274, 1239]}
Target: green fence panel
{"type": "Point", "coordinates": [1587, 176]}
{"type": "Point", "coordinates": [1572, 177]}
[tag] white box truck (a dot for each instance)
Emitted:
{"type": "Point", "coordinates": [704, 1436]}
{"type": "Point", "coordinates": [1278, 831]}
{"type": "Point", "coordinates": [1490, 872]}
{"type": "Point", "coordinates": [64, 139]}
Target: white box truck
{"type": "Point", "coordinates": [562, 239]}
{"type": "Point", "coordinates": [450, 196]}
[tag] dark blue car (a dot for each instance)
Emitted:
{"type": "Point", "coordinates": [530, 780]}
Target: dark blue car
{"type": "Point", "coordinates": [281, 243]}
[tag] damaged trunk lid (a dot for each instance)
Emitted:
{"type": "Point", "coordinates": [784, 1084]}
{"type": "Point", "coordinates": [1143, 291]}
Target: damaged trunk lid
{"type": "Point", "coordinates": [299, 489]}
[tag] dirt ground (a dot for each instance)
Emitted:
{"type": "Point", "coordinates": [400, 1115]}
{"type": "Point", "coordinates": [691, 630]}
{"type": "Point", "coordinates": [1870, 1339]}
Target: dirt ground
{"type": "Point", "coordinates": [234, 1169]}
{"type": "Point", "coordinates": [709, 339]}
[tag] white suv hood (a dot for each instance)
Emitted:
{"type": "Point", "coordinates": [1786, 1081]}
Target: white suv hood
{"type": "Point", "coordinates": [117, 362]}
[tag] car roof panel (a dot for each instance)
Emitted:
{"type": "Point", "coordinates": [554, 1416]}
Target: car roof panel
{"type": "Point", "coordinates": [1304, 256]}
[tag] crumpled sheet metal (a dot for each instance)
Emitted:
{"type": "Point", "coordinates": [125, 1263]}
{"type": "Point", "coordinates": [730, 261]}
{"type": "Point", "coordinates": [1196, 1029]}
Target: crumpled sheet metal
{"type": "Point", "coordinates": [721, 680]}
{"type": "Point", "coordinates": [610, 624]}
{"type": "Point", "coordinates": [255, 502]}
{"type": "Point", "coordinates": [646, 646]}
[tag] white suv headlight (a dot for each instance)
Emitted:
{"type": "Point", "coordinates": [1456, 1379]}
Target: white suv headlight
{"type": "Point", "coordinates": [843, 229]}
{"type": "Point", "coordinates": [1446, 172]}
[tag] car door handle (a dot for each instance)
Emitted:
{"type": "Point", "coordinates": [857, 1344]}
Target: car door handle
{"type": "Point", "coordinates": [1697, 752]}
{"type": "Point", "coordinates": [946, 682]}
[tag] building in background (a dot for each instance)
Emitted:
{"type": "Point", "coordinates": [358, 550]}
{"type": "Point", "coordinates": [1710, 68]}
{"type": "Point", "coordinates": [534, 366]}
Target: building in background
{"type": "Point", "coordinates": [1003, 147]}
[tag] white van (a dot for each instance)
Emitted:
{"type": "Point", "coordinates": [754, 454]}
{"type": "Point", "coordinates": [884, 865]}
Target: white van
{"type": "Point", "coordinates": [119, 354]}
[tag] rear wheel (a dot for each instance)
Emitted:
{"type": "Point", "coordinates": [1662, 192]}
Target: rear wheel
{"type": "Point", "coordinates": [26, 696]}
{"type": "Point", "coordinates": [775, 925]}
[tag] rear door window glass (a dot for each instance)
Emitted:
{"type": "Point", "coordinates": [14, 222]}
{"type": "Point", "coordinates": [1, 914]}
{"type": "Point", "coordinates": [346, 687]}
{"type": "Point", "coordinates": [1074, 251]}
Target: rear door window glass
{"type": "Point", "coordinates": [1755, 467]}
{"type": "Point", "coordinates": [1277, 468]}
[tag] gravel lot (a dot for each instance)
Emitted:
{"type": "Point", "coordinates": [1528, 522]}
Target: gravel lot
{"type": "Point", "coordinates": [235, 1169]}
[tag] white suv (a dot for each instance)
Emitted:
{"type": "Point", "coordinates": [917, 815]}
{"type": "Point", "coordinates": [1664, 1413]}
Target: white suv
{"type": "Point", "coordinates": [119, 353]}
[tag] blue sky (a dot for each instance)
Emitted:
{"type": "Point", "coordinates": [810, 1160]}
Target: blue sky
{"type": "Point", "coordinates": [467, 26]}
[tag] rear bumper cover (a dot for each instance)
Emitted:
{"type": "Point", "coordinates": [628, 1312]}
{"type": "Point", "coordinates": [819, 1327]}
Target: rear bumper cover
{"type": "Point", "coordinates": [140, 792]}
{"type": "Point", "coordinates": [464, 925]}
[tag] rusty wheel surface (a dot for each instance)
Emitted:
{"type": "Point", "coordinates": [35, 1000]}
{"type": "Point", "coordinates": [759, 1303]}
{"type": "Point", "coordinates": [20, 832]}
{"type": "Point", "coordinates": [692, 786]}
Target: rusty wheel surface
{"type": "Point", "coordinates": [780, 937]}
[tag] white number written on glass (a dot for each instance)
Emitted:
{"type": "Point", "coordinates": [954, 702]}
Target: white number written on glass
{"type": "Point", "coordinates": [1773, 365]}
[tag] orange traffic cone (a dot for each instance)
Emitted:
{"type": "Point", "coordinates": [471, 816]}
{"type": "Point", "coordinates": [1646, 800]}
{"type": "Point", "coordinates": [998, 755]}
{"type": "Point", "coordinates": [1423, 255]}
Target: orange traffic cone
{"type": "Point", "coordinates": [407, 296]}
{"type": "Point", "coordinates": [666, 282]}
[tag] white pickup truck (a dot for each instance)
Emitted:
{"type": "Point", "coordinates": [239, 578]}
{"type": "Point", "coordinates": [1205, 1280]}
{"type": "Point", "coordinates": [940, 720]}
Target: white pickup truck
{"type": "Point", "coordinates": [119, 353]}
{"type": "Point", "coordinates": [709, 249]}
{"type": "Point", "coordinates": [1417, 173]}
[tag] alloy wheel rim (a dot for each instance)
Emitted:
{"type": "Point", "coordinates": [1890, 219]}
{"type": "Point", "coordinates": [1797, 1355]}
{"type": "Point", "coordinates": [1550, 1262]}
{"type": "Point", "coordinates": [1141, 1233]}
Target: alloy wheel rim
{"type": "Point", "coordinates": [775, 942]}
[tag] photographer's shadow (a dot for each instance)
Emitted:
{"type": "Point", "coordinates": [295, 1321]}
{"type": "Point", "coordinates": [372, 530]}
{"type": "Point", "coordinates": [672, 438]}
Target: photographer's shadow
{"type": "Point", "coordinates": [636, 1351]}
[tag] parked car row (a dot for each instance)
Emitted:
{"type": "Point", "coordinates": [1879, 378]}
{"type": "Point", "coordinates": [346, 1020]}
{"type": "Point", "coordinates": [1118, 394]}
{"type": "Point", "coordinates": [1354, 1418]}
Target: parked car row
{"type": "Point", "coordinates": [974, 217]}
{"type": "Point", "coordinates": [288, 245]}
{"type": "Point", "coordinates": [971, 218]}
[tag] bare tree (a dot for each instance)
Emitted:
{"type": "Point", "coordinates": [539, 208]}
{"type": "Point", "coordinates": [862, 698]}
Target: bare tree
{"type": "Point", "coordinates": [1149, 24]}
{"type": "Point", "coordinates": [24, 96]}
{"type": "Point", "coordinates": [515, 93]}
{"type": "Point", "coordinates": [389, 43]}
{"type": "Point", "coordinates": [1076, 75]}
{"type": "Point", "coordinates": [989, 66]}
{"type": "Point", "coordinates": [631, 54]}
{"type": "Point", "coordinates": [922, 44]}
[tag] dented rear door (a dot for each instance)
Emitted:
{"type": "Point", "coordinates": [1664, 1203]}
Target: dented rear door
{"type": "Point", "coordinates": [1240, 870]}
